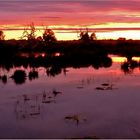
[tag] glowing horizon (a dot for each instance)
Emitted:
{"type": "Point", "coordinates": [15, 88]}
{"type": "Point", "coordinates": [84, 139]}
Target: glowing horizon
{"type": "Point", "coordinates": [74, 34]}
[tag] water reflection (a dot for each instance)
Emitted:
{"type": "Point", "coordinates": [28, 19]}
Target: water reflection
{"type": "Point", "coordinates": [73, 102]}
{"type": "Point", "coordinates": [128, 66]}
{"type": "Point", "coordinates": [19, 76]}
{"type": "Point", "coordinates": [28, 66]}
{"type": "Point", "coordinates": [54, 65]}
{"type": "Point", "coordinates": [33, 74]}
{"type": "Point", "coordinates": [106, 86]}
{"type": "Point", "coordinates": [53, 71]}
{"type": "Point", "coordinates": [3, 78]}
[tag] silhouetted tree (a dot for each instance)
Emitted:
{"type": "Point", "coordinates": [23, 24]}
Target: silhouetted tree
{"type": "Point", "coordinates": [2, 36]}
{"type": "Point", "coordinates": [121, 38]}
{"type": "Point", "coordinates": [49, 36]}
{"type": "Point", "coordinates": [84, 36]}
{"type": "Point", "coordinates": [93, 36]}
{"type": "Point", "coordinates": [31, 35]}
{"type": "Point", "coordinates": [39, 38]}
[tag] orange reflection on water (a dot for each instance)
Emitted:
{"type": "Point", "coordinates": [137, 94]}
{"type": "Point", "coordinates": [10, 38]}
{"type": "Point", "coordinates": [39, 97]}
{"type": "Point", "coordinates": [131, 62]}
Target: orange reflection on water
{"type": "Point", "coordinates": [118, 59]}
{"type": "Point", "coordinates": [136, 58]}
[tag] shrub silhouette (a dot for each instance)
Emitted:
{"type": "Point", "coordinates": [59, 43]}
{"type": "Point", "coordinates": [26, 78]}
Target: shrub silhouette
{"type": "Point", "coordinates": [53, 71]}
{"type": "Point", "coordinates": [84, 36]}
{"type": "Point", "coordinates": [4, 79]}
{"type": "Point", "coordinates": [19, 76]}
{"type": "Point", "coordinates": [31, 35]}
{"type": "Point", "coordinates": [93, 36]}
{"type": "Point", "coordinates": [128, 66]}
{"type": "Point", "coordinates": [2, 36]}
{"type": "Point", "coordinates": [49, 36]}
{"type": "Point", "coordinates": [33, 75]}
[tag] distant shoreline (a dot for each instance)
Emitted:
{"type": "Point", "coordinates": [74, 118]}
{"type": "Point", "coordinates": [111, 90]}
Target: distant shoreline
{"type": "Point", "coordinates": [96, 47]}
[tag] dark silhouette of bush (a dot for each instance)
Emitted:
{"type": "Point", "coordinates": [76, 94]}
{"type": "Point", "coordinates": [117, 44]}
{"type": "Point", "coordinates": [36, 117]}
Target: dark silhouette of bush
{"type": "Point", "coordinates": [53, 71]}
{"type": "Point", "coordinates": [49, 36]}
{"type": "Point", "coordinates": [19, 76]}
{"type": "Point", "coordinates": [33, 75]}
{"type": "Point", "coordinates": [93, 36]}
{"type": "Point", "coordinates": [84, 36]}
{"type": "Point", "coordinates": [4, 79]}
{"type": "Point", "coordinates": [31, 35]}
{"type": "Point", "coordinates": [128, 66]}
{"type": "Point", "coordinates": [125, 68]}
{"type": "Point", "coordinates": [2, 36]}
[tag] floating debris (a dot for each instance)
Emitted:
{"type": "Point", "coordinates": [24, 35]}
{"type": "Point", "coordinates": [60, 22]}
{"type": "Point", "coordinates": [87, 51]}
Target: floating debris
{"type": "Point", "coordinates": [47, 99]}
{"type": "Point", "coordinates": [105, 84]}
{"type": "Point", "coordinates": [91, 137]}
{"type": "Point", "coordinates": [56, 92]}
{"type": "Point", "coordinates": [99, 88]}
{"type": "Point", "coordinates": [37, 113]}
{"type": "Point", "coordinates": [44, 96]}
{"type": "Point", "coordinates": [109, 87]}
{"type": "Point", "coordinates": [50, 101]}
{"type": "Point", "coordinates": [75, 118]}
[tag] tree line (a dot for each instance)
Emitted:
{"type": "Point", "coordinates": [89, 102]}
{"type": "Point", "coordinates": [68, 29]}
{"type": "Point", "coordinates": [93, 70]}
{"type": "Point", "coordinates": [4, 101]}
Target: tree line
{"type": "Point", "coordinates": [48, 35]}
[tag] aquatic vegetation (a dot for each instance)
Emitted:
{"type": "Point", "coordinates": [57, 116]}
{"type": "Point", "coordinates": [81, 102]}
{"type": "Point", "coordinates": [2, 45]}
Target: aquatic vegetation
{"type": "Point", "coordinates": [105, 86]}
{"type": "Point", "coordinates": [47, 98]}
{"type": "Point", "coordinates": [76, 118]}
{"type": "Point", "coordinates": [28, 106]}
{"type": "Point", "coordinates": [99, 88]}
{"type": "Point", "coordinates": [55, 93]}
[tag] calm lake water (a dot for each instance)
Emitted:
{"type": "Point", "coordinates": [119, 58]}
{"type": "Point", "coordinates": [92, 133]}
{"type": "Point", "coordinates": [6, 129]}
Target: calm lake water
{"type": "Point", "coordinates": [76, 103]}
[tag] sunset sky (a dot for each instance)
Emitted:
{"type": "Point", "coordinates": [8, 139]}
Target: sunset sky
{"type": "Point", "coordinates": [104, 16]}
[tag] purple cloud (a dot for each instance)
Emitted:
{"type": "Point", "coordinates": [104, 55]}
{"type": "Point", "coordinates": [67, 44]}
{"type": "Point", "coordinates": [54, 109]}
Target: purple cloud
{"type": "Point", "coordinates": [69, 12]}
